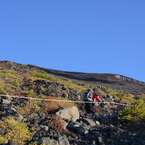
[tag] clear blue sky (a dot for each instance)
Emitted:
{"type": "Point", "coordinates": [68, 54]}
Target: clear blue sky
{"type": "Point", "coordinates": [94, 36]}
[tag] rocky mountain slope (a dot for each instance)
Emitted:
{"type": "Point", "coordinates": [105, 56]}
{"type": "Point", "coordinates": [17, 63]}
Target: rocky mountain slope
{"type": "Point", "coordinates": [114, 81]}
{"type": "Point", "coordinates": [43, 102]}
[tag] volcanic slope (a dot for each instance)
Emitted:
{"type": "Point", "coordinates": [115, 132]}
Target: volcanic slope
{"type": "Point", "coordinates": [113, 81]}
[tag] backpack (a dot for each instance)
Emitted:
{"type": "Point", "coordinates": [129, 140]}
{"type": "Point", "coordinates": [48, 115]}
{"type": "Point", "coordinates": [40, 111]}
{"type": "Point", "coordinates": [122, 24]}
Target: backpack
{"type": "Point", "coordinates": [88, 95]}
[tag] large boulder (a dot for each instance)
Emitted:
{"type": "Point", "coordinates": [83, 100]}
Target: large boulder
{"type": "Point", "coordinates": [71, 113]}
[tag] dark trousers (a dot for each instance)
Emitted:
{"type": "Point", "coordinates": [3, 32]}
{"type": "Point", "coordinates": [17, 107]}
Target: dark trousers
{"type": "Point", "coordinates": [89, 107]}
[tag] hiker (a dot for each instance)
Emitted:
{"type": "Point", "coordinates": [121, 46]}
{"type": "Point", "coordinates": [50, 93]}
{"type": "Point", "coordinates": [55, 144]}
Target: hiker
{"type": "Point", "coordinates": [91, 96]}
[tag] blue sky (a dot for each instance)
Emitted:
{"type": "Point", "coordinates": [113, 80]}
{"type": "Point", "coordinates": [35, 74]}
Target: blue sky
{"type": "Point", "coordinates": [94, 36]}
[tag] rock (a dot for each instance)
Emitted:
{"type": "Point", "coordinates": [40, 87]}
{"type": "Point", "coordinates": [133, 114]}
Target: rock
{"type": "Point", "coordinates": [100, 140]}
{"type": "Point", "coordinates": [63, 140]}
{"type": "Point", "coordinates": [71, 113]}
{"type": "Point", "coordinates": [2, 131]}
{"type": "Point", "coordinates": [97, 122]}
{"type": "Point", "coordinates": [81, 130]}
{"type": "Point", "coordinates": [5, 101]}
{"type": "Point", "coordinates": [89, 121]}
{"type": "Point", "coordinates": [11, 142]}
{"type": "Point", "coordinates": [77, 128]}
{"type": "Point", "coordinates": [44, 127]}
{"type": "Point", "coordinates": [64, 123]}
{"type": "Point", "coordinates": [64, 95]}
{"type": "Point", "coordinates": [104, 119]}
{"type": "Point", "coordinates": [47, 141]}
{"type": "Point", "coordinates": [14, 113]}
{"type": "Point", "coordinates": [104, 105]}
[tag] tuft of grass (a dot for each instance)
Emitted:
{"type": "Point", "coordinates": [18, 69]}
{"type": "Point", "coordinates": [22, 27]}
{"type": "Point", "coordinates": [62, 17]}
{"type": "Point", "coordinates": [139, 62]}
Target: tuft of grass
{"type": "Point", "coordinates": [69, 84]}
{"type": "Point", "coordinates": [8, 74]}
{"type": "Point", "coordinates": [69, 134]}
{"type": "Point", "coordinates": [43, 75]}
{"type": "Point", "coordinates": [2, 90]}
{"type": "Point", "coordinates": [16, 83]}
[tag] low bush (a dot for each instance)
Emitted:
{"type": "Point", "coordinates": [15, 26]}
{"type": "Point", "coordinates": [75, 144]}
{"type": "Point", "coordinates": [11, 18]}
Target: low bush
{"type": "Point", "coordinates": [57, 124]}
{"type": "Point", "coordinates": [16, 131]}
{"type": "Point", "coordinates": [135, 112]}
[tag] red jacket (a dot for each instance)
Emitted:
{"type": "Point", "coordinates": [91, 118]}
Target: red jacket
{"type": "Point", "coordinates": [95, 97]}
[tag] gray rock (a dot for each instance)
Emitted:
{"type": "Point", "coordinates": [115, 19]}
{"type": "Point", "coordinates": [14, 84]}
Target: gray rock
{"type": "Point", "coordinates": [104, 119]}
{"type": "Point", "coordinates": [44, 127]}
{"type": "Point", "coordinates": [64, 124]}
{"type": "Point", "coordinates": [81, 130]}
{"type": "Point", "coordinates": [5, 101]}
{"type": "Point", "coordinates": [71, 113]}
{"type": "Point", "coordinates": [2, 131]}
{"type": "Point", "coordinates": [89, 122]}
{"type": "Point", "coordinates": [100, 140]}
{"type": "Point", "coordinates": [47, 141]}
{"type": "Point", "coordinates": [14, 113]}
{"type": "Point", "coordinates": [77, 128]}
{"type": "Point", "coordinates": [63, 140]}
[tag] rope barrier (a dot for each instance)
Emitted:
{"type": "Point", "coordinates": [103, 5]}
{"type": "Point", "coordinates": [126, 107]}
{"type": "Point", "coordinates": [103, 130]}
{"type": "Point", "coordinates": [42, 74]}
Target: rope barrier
{"type": "Point", "coordinates": [31, 98]}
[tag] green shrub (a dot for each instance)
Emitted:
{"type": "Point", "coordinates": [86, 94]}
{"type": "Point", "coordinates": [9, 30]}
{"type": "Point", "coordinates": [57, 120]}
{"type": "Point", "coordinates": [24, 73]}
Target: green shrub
{"type": "Point", "coordinates": [2, 90]}
{"type": "Point", "coordinates": [43, 75]}
{"type": "Point", "coordinates": [16, 83]}
{"type": "Point", "coordinates": [62, 78]}
{"type": "Point", "coordinates": [16, 131]}
{"type": "Point", "coordinates": [134, 113]}
{"type": "Point", "coordinates": [142, 96]}
{"type": "Point", "coordinates": [69, 134]}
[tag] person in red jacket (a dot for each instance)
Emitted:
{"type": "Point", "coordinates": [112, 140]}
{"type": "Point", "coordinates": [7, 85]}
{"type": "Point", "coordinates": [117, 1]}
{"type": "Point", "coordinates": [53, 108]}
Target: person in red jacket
{"type": "Point", "coordinates": [95, 97]}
